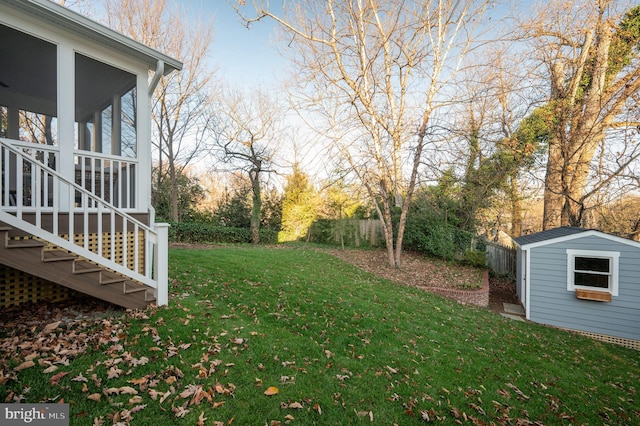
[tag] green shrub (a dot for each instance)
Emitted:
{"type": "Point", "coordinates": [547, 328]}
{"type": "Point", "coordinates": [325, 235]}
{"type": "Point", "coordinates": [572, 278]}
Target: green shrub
{"type": "Point", "coordinates": [475, 258]}
{"type": "Point", "coordinates": [196, 232]}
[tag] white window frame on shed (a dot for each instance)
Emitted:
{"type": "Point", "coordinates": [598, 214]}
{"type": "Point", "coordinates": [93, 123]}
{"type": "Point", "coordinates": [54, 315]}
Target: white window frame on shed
{"type": "Point", "coordinates": [613, 258]}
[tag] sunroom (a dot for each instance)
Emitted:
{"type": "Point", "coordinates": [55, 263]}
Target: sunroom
{"type": "Point", "coordinates": [75, 135]}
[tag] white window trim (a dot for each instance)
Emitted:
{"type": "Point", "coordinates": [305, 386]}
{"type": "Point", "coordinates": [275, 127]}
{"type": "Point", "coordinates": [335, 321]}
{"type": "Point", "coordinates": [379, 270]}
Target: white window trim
{"type": "Point", "coordinates": [613, 256]}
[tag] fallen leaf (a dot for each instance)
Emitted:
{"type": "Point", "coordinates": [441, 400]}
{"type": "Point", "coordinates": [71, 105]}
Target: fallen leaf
{"type": "Point", "coordinates": [80, 378]}
{"type": "Point", "coordinates": [135, 400]}
{"type": "Point", "coordinates": [295, 406]}
{"type": "Point", "coordinates": [51, 327]}
{"type": "Point", "coordinates": [180, 412]}
{"type": "Point", "coordinates": [201, 419]}
{"type": "Point", "coordinates": [114, 373]}
{"type": "Point", "coordinates": [271, 390]}
{"type": "Point", "coordinates": [94, 397]}
{"type": "Point", "coordinates": [138, 408]}
{"type": "Point", "coordinates": [24, 365]}
{"type": "Point", "coordinates": [55, 379]}
{"type": "Point", "coordinates": [127, 390]}
{"type": "Point", "coordinates": [50, 369]}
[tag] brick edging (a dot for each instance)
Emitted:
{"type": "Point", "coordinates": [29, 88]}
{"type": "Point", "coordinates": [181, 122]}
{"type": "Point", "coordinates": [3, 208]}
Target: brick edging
{"type": "Point", "coordinates": [478, 297]}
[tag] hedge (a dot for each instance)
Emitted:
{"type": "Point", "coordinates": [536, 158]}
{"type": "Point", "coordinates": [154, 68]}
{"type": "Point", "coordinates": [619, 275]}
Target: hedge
{"type": "Point", "coordinates": [194, 232]}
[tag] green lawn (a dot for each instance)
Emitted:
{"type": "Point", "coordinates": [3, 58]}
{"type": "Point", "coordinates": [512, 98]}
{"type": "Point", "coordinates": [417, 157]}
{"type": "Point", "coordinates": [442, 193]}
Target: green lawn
{"type": "Point", "coordinates": [340, 345]}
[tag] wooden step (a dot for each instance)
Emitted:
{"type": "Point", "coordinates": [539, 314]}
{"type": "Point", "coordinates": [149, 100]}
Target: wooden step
{"type": "Point", "coordinates": [84, 267]}
{"type": "Point", "coordinates": [109, 281]}
{"type": "Point", "coordinates": [24, 244]}
{"type": "Point", "coordinates": [57, 256]}
{"type": "Point", "coordinates": [128, 287]}
{"type": "Point", "coordinates": [108, 277]}
{"type": "Point", "coordinates": [65, 268]}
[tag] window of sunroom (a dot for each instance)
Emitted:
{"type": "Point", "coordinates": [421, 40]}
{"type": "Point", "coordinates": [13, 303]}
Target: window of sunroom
{"type": "Point", "coordinates": [106, 113]}
{"type": "Point", "coordinates": [28, 88]}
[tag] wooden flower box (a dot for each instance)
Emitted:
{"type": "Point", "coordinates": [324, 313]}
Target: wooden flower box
{"type": "Point", "coordinates": [598, 296]}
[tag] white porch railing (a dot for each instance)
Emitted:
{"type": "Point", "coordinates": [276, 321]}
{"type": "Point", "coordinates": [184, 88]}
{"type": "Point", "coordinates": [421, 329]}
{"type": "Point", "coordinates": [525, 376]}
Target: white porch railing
{"type": "Point", "coordinates": [33, 191]}
{"type": "Point", "coordinates": [109, 177]}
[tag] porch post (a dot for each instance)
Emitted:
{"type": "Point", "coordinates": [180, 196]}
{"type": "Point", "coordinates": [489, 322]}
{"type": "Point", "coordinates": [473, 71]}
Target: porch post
{"type": "Point", "coordinates": [66, 120]}
{"type": "Point", "coordinates": [161, 264]}
{"type": "Point", "coordinates": [143, 178]}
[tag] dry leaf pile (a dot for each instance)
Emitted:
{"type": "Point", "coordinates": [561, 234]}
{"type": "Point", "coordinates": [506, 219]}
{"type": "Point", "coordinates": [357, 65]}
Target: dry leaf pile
{"type": "Point", "coordinates": [416, 270]}
{"type": "Point", "coordinates": [49, 337]}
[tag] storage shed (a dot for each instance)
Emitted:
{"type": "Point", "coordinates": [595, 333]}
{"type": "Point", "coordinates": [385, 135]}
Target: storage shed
{"type": "Point", "coordinates": [583, 280]}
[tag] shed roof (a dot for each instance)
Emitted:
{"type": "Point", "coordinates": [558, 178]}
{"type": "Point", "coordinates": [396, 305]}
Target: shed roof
{"type": "Point", "coordinates": [549, 234]}
{"type": "Point", "coordinates": [565, 233]}
{"type": "Point", "coordinates": [85, 27]}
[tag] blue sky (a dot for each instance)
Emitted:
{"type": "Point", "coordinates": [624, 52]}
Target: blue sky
{"type": "Point", "coordinates": [244, 57]}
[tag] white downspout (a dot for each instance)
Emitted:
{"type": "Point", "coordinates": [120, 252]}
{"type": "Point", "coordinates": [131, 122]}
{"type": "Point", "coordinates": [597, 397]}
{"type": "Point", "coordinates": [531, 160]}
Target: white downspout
{"type": "Point", "coordinates": [156, 77]}
{"type": "Point", "coordinates": [152, 87]}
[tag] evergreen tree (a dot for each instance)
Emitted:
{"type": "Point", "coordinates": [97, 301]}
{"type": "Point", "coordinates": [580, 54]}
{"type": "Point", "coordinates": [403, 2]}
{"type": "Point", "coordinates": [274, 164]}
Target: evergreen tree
{"type": "Point", "coordinates": [299, 205]}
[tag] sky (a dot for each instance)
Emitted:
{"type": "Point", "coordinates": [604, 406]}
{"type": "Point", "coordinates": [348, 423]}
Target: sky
{"type": "Point", "coordinates": [244, 57]}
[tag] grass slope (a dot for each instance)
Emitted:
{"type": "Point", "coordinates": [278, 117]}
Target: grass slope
{"type": "Point", "coordinates": [334, 346]}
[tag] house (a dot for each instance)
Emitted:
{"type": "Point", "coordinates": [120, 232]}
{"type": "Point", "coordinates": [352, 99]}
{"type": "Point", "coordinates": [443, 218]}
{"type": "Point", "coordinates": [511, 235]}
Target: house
{"type": "Point", "coordinates": [75, 141]}
{"type": "Point", "coordinates": [582, 280]}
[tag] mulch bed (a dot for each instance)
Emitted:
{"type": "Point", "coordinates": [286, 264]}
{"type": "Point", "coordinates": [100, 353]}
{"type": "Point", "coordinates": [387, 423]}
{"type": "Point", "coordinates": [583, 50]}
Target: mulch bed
{"type": "Point", "coordinates": [420, 271]}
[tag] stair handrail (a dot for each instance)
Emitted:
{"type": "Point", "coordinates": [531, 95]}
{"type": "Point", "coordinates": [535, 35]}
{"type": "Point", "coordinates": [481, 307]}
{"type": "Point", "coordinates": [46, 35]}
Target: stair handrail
{"type": "Point", "coordinates": [156, 238]}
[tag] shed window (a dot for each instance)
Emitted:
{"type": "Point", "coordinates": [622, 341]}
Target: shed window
{"type": "Point", "coordinates": [592, 270]}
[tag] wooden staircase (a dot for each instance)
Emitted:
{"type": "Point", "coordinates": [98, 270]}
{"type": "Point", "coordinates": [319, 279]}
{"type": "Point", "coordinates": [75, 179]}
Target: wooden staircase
{"type": "Point", "coordinates": [67, 269]}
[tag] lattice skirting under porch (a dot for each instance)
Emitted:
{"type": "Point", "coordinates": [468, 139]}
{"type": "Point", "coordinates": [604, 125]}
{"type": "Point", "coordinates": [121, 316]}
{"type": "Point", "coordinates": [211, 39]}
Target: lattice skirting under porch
{"type": "Point", "coordinates": [627, 343]}
{"type": "Point", "coordinates": [17, 288]}
{"type": "Point", "coordinates": [92, 244]}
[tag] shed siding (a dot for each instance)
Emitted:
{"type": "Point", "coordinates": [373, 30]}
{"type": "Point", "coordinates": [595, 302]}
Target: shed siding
{"type": "Point", "coordinates": [552, 304]}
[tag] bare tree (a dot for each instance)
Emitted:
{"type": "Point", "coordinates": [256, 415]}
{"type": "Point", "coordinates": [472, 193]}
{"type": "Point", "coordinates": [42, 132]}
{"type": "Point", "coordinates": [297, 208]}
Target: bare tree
{"type": "Point", "coordinates": [247, 129]}
{"type": "Point", "coordinates": [378, 70]}
{"type": "Point", "coordinates": [590, 52]}
{"type": "Point", "coordinates": [180, 105]}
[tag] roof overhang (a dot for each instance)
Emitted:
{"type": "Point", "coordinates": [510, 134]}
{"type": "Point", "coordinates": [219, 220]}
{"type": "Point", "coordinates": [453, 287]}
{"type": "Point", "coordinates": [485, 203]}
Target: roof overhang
{"type": "Point", "coordinates": [82, 26]}
{"type": "Point", "coordinates": [577, 235]}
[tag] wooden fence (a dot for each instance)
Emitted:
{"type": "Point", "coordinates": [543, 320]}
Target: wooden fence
{"type": "Point", "coordinates": [358, 232]}
{"type": "Point", "coordinates": [501, 259]}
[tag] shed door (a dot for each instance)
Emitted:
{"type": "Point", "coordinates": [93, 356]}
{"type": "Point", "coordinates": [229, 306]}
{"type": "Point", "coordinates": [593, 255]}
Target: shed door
{"type": "Point", "coordinates": [522, 285]}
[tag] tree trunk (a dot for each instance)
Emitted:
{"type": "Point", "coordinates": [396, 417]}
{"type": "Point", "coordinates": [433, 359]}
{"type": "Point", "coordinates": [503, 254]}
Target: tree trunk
{"type": "Point", "coordinates": [553, 187]}
{"type": "Point", "coordinates": [387, 227]}
{"type": "Point", "coordinates": [516, 208]}
{"type": "Point", "coordinates": [256, 207]}
{"type": "Point", "coordinates": [174, 192]}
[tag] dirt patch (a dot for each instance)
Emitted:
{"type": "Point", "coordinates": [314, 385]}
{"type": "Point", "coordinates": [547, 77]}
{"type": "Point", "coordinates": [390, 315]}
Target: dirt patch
{"type": "Point", "coordinates": [501, 290]}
